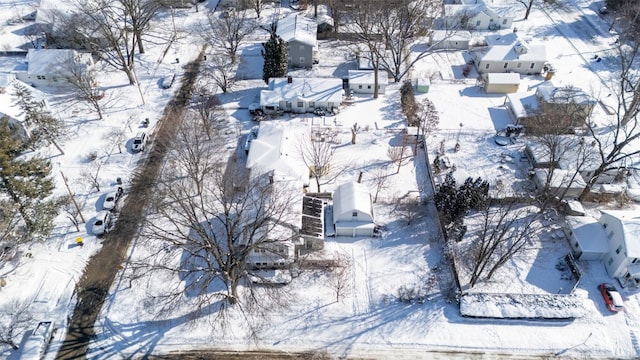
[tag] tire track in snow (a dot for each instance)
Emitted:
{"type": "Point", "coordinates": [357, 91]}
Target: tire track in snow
{"type": "Point", "coordinates": [360, 283]}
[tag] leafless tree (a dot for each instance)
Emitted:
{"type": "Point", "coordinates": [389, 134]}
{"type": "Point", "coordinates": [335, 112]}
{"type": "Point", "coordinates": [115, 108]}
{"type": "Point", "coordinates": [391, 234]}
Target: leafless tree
{"type": "Point", "coordinates": [15, 319]}
{"type": "Point", "coordinates": [528, 4]}
{"type": "Point", "coordinates": [92, 174]}
{"type": "Point", "coordinates": [341, 275]}
{"type": "Point", "coordinates": [427, 116]}
{"type": "Point", "coordinates": [256, 5]}
{"type": "Point", "coordinates": [389, 28]}
{"type": "Point", "coordinates": [380, 181]}
{"type": "Point", "coordinates": [396, 154]}
{"type": "Point", "coordinates": [221, 70]}
{"type": "Point", "coordinates": [319, 157]}
{"type": "Point", "coordinates": [85, 84]}
{"type": "Point", "coordinates": [502, 233]}
{"type": "Point", "coordinates": [72, 214]}
{"type": "Point", "coordinates": [208, 112]}
{"type": "Point", "coordinates": [140, 13]}
{"type": "Point", "coordinates": [354, 132]}
{"type": "Point", "coordinates": [207, 219]}
{"type": "Point", "coordinates": [226, 33]}
{"type": "Point", "coordinates": [615, 143]}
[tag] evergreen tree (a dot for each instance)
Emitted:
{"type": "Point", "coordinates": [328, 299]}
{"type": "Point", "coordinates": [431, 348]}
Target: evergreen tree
{"type": "Point", "coordinates": [41, 124]}
{"type": "Point", "coordinates": [26, 182]}
{"type": "Point", "coordinates": [275, 57]}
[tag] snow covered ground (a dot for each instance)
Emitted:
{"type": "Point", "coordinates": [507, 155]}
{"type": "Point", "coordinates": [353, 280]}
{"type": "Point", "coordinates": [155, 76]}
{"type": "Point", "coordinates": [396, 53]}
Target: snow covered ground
{"type": "Point", "coordinates": [368, 321]}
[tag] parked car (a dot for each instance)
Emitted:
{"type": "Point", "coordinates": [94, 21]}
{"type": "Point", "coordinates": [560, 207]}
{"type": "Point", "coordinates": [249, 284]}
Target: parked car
{"type": "Point", "coordinates": [611, 297]}
{"type": "Point", "coordinates": [102, 224]}
{"type": "Point", "coordinates": [140, 141]}
{"type": "Point", "coordinates": [167, 81]}
{"type": "Point", "coordinates": [37, 343]}
{"type": "Point", "coordinates": [111, 200]}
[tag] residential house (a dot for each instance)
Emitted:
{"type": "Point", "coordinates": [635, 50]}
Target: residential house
{"type": "Point", "coordinates": [563, 183]}
{"type": "Point", "coordinates": [526, 107]}
{"type": "Point", "coordinates": [300, 34]}
{"type": "Point", "coordinates": [363, 81]}
{"type": "Point", "coordinates": [508, 53]}
{"type": "Point", "coordinates": [12, 113]}
{"type": "Point", "coordinates": [353, 210]}
{"type": "Point", "coordinates": [47, 67]}
{"type": "Point", "coordinates": [501, 83]}
{"type": "Point", "coordinates": [622, 228]}
{"type": "Point", "coordinates": [450, 40]}
{"type": "Point", "coordinates": [587, 238]}
{"type": "Point", "coordinates": [300, 95]}
{"type": "Point", "coordinates": [478, 15]}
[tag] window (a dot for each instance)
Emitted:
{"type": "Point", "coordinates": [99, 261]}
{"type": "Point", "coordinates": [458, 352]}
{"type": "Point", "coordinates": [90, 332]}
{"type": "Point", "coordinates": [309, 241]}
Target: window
{"type": "Point", "coordinates": [532, 65]}
{"type": "Point", "coordinates": [368, 86]}
{"type": "Point", "coordinates": [519, 65]}
{"type": "Point", "coordinates": [619, 249]}
{"type": "Point", "coordinates": [354, 214]}
{"type": "Point", "coordinates": [312, 104]}
{"type": "Point", "coordinates": [301, 59]}
{"type": "Point", "coordinates": [300, 104]}
{"type": "Point", "coordinates": [486, 66]}
{"type": "Point", "coordinates": [477, 23]}
{"type": "Point", "coordinates": [610, 261]}
{"type": "Point", "coordinates": [504, 22]}
{"type": "Point", "coordinates": [636, 260]}
{"type": "Point", "coordinates": [288, 104]}
{"type": "Point", "coordinates": [505, 65]}
{"type": "Point", "coordinates": [301, 47]}
{"type": "Point", "coordinates": [359, 86]}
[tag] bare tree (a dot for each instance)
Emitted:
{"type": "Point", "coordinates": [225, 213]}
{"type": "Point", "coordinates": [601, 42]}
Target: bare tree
{"type": "Point", "coordinates": [380, 181]}
{"type": "Point", "coordinates": [226, 33]}
{"type": "Point", "coordinates": [92, 174]}
{"type": "Point", "coordinates": [140, 13]}
{"type": "Point", "coordinates": [206, 222]}
{"type": "Point", "coordinates": [615, 142]}
{"type": "Point", "coordinates": [528, 4]}
{"type": "Point", "coordinates": [319, 157]}
{"type": "Point", "coordinates": [72, 214]}
{"type": "Point", "coordinates": [85, 84]}
{"type": "Point", "coordinates": [256, 5]}
{"type": "Point", "coordinates": [354, 132]}
{"type": "Point", "coordinates": [396, 154]}
{"type": "Point", "coordinates": [221, 71]}
{"type": "Point", "coordinates": [341, 275]}
{"type": "Point", "coordinates": [427, 116]}
{"type": "Point", "coordinates": [503, 233]}
{"type": "Point", "coordinates": [15, 319]}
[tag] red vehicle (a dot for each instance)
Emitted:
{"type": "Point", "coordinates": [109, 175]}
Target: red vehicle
{"type": "Point", "coordinates": [611, 297]}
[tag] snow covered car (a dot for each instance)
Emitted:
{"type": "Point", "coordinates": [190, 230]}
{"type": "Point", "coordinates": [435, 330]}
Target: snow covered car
{"type": "Point", "coordinates": [102, 224]}
{"type": "Point", "coordinates": [111, 200]}
{"type": "Point", "coordinates": [139, 141]}
{"type": "Point", "coordinates": [611, 297]}
{"type": "Point", "coordinates": [37, 343]}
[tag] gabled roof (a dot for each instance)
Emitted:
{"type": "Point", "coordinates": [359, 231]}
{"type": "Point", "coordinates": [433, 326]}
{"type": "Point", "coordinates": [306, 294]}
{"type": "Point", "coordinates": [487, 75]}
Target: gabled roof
{"type": "Point", "coordinates": [589, 233]}
{"type": "Point", "coordinates": [298, 28]}
{"type": "Point", "coordinates": [351, 197]}
{"type": "Point", "coordinates": [559, 95]}
{"type": "Point", "coordinates": [630, 223]}
{"type": "Point", "coordinates": [275, 151]}
{"type": "Point", "coordinates": [7, 101]}
{"type": "Point", "coordinates": [535, 52]}
{"type": "Point", "coordinates": [306, 89]}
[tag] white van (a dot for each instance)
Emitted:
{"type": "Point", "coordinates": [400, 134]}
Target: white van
{"type": "Point", "coordinates": [37, 343]}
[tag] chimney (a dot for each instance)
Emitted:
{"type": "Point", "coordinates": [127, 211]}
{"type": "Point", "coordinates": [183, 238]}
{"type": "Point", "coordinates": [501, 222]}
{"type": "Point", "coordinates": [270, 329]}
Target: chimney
{"type": "Point", "coordinates": [289, 79]}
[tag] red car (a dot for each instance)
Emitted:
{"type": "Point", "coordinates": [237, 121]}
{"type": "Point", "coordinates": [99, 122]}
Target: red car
{"type": "Point", "coordinates": [611, 297]}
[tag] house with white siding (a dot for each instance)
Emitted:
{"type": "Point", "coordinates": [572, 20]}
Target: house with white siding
{"type": "Point", "coordinates": [622, 228]}
{"type": "Point", "coordinates": [478, 15]}
{"type": "Point", "coordinates": [353, 210]}
{"type": "Point", "coordinates": [363, 81]}
{"type": "Point", "coordinates": [301, 35]}
{"type": "Point", "coordinates": [51, 67]}
{"type": "Point", "coordinates": [301, 95]}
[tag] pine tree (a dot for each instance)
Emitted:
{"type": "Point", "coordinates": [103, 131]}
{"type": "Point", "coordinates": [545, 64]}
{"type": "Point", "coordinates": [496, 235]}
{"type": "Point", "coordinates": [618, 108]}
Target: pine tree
{"type": "Point", "coordinates": [26, 182]}
{"type": "Point", "coordinates": [275, 57]}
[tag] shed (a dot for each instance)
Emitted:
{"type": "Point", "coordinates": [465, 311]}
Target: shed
{"type": "Point", "coordinates": [423, 85]}
{"type": "Point", "coordinates": [353, 210]}
{"type": "Point", "coordinates": [363, 81]}
{"type": "Point", "coordinates": [501, 83]}
{"type": "Point", "coordinates": [587, 238]}
{"type": "Point", "coordinates": [451, 40]}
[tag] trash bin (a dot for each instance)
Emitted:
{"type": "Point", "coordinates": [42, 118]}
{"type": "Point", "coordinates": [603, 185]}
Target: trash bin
{"type": "Point", "coordinates": [119, 181]}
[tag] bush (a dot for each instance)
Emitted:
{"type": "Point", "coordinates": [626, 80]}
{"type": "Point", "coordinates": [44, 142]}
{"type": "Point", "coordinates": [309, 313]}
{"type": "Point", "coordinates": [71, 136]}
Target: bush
{"type": "Point", "coordinates": [408, 102]}
{"type": "Point", "coordinates": [92, 156]}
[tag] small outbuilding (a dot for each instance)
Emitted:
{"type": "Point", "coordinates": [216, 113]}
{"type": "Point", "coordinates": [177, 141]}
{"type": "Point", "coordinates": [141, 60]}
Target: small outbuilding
{"type": "Point", "coordinates": [363, 81]}
{"type": "Point", "coordinates": [353, 210]}
{"type": "Point", "coordinates": [501, 83]}
{"type": "Point", "coordinates": [450, 40]}
{"type": "Point", "coordinates": [587, 238]}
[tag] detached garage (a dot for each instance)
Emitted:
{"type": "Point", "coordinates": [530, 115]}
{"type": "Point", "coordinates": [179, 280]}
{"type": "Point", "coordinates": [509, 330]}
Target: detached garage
{"type": "Point", "coordinates": [353, 210]}
{"type": "Point", "coordinates": [501, 83]}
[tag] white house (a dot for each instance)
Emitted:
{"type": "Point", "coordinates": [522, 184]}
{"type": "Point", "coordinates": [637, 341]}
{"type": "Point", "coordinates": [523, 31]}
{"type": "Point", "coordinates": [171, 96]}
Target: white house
{"type": "Point", "coordinates": [477, 15]}
{"type": "Point", "coordinates": [450, 40]}
{"type": "Point", "coordinates": [301, 34]}
{"type": "Point", "coordinates": [506, 56]}
{"type": "Point", "coordinates": [300, 95]}
{"type": "Point", "coordinates": [46, 67]}
{"type": "Point", "coordinates": [587, 238]}
{"type": "Point", "coordinates": [276, 152]}
{"type": "Point", "coordinates": [622, 230]}
{"type": "Point", "coordinates": [363, 81]}
{"type": "Point", "coordinates": [353, 210]}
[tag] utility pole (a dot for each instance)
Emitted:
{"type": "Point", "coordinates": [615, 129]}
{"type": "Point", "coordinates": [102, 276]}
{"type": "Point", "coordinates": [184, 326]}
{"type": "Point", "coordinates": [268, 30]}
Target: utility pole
{"type": "Point", "coordinates": [73, 199]}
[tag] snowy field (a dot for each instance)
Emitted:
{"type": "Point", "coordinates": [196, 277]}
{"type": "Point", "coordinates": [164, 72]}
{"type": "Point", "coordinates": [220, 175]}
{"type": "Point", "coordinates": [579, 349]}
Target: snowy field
{"type": "Point", "coordinates": [368, 321]}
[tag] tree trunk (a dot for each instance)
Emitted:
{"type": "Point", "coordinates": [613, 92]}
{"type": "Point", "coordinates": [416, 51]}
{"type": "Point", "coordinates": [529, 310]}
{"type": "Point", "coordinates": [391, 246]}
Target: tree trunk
{"type": "Point", "coordinates": [526, 14]}
{"type": "Point", "coordinates": [139, 41]}
{"type": "Point", "coordinates": [130, 75]}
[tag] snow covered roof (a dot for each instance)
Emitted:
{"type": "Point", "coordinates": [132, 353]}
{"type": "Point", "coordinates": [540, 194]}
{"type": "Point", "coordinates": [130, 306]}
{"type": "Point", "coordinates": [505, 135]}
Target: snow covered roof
{"type": "Point", "coordinates": [553, 94]}
{"type": "Point", "coordinates": [367, 77]}
{"type": "Point", "coordinates": [298, 28]}
{"type": "Point", "coordinates": [561, 179]}
{"type": "Point", "coordinates": [51, 61]}
{"type": "Point", "coordinates": [7, 106]}
{"type": "Point", "coordinates": [569, 153]}
{"type": "Point", "coordinates": [503, 78]}
{"type": "Point", "coordinates": [533, 52]}
{"type": "Point", "coordinates": [589, 233]}
{"type": "Point", "coordinates": [352, 196]}
{"type": "Point", "coordinates": [275, 151]}
{"type": "Point", "coordinates": [523, 104]}
{"type": "Point", "coordinates": [306, 89]}
{"type": "Point", "coordinates": [440, 35]}
{"type": "Point", "coordinates": [630, 222]}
